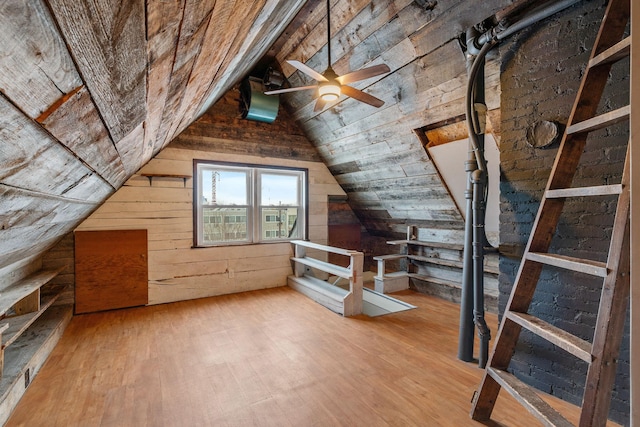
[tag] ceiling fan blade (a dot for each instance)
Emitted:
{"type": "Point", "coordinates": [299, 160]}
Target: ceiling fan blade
{"type": "Point", "coordinates": [362, 96]}
{"type": "Point", "coordinates": [320, 103]}
{"type": "Point", "coordinates": [307, 70]}
{"type": "Point", "coordinates": [290, 89]}
{"type": "Point", "coordinates": [363, 74]}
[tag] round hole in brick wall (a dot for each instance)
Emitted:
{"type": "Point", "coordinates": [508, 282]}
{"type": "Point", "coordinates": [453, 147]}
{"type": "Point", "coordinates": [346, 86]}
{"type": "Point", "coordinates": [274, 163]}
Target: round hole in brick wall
{"type": "Point", "coordinates": [542, 134]}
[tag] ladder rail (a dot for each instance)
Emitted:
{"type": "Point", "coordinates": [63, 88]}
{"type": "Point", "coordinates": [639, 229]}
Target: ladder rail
{"type": "Point", "coordinates": [611, 314]}
{"type": "Point", "coordinates": [607, 48]}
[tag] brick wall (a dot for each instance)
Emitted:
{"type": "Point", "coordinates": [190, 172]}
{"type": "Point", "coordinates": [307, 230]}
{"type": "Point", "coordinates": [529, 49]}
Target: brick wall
{"type": "Point", "coordinates": [541, 72]}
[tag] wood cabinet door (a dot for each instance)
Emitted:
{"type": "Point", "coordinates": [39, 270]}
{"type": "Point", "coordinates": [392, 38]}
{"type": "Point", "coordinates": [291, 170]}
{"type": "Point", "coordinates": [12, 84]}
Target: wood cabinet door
{"type": "Point", "coordinates": [111, 270]}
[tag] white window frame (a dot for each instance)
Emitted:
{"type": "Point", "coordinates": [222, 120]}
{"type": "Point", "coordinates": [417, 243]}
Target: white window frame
{"type": "Point", "coordinates": [254, 207]}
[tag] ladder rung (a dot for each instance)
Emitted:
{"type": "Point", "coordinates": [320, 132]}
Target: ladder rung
{"type": "Point", "coordinates": [595, 268]}
{"type": "Point", "coordinates": [563, 339]}
{"type": "Point", "coordinates": [529, 398]}
{"type": "Point", "coordinates": [614, 53]}
{"type": "Point", "coordinates": [598, 190]}
{"type": "Point", "coordinates": [602, 121]}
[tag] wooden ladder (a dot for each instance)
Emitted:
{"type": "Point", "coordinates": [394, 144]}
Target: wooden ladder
{"type": "Point", "coordinates": [602, 354]}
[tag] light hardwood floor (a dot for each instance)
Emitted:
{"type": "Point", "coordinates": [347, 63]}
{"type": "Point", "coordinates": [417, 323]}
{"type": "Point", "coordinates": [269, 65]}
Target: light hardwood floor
{"type": "Point", "coordinates": [262, 358]}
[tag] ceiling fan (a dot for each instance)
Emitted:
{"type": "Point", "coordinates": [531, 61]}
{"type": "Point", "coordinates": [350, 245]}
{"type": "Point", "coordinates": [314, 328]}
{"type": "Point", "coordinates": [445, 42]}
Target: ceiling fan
{"type": "Point", "coordinates": [331, 85]}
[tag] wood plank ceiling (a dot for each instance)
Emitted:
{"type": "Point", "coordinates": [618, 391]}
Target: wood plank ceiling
{"type": "Point", "coordinates": [90, 90]}
{"type": "Point", "coordinates": [375, 154]}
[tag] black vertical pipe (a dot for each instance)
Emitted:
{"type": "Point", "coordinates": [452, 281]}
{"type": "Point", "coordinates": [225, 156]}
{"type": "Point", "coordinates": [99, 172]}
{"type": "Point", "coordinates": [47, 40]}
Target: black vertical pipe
{"type": "Point", "coordinates": [466, 328]}
{"type": "Point", "coordinates": [475, 236]}
{"type": "Point", "coordinates": [479, 177]}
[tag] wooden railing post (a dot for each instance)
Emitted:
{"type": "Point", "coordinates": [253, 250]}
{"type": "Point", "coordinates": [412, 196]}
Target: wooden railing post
{"type": "Point", "coordinates": [355, 283]}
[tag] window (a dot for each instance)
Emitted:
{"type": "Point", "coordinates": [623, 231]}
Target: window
{"type": "Point", "coordinates": [239, 204]}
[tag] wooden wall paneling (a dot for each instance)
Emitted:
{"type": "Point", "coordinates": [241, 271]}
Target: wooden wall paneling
{"type": "Point", "coordinates": [17, 243]}
{"type": "Point", "coordinates": [185, 288]}
{"type": "Point", "coordinates": [109, 46]}
{"type": "Point", "coordinates": [17, 271]}
{"type": "Point", "coordinates": [163, 26]}
{"type": "Point", "coordinates": [216, 43]}
{"type": "Point", "coordinates": [32, 221]}
{"type": "Point", "coordinates": [22, 208]}
{"type": "Point", "coordinates": [361, 52]}
{"type": "Point", "coordinates": [368, 21]}
{"type": "Point", "coordinates": [168, 166]}
{"type": "Point", "coordinates": [35, 67]}
{"type": "Point", "coordinates": [193, 28]}
{"type": "Point", "coordinates": [34, 161]}
{"type": "Point", "coordinates": [458, 16]}
{"type": "Point", "coordinates": [60, 257]}
{"type": "Point", "coordinates": [111, 269]}
{"type": "Point", "coordinates": [157, 92]}
{"type": "Point", "coordinates": [77, 124]}
{"type": "Point", "coordinates": [144, 195]}
{"type": "Point", "coordinates": [273, 16]}
{"type": "Point", "coordinates": [187, 268]}
{"type": "Point", "coordinates": [346, 236]}
{"type": "Point", "coordinates": [132, 150]}
{"type": "Point", "coordinates": [388, 42]}
{"type": "Point", "coordinates": [159, 225]}
{"type": "Point", "coordinates": [297, 32]}
{"type": "Point", "coordinates": [312, 49]}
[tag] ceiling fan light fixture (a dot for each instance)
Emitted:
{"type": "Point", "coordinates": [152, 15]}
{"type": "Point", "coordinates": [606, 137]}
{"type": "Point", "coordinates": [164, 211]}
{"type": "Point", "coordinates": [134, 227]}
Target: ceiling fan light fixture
{"type": "Point", "coordinates": [329, 91]}
{"type": "Point", "coordinates": [330, 85]}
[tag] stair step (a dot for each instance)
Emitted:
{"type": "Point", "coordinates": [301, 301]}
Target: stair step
{"type": "Point", "coordinates": [597, 190]}
{"type": "Point", "coordinates": [566, 341]}
{"type": "Point", "coordinates": [601, 121]}
{"type": "Point", "coordinates": [594, 268]}
{"type": "Point", "coordinates": [529, 398]}
{"type": "Point", "coordinates": [615, 53]}
{"type": "Point", "coordinates": [320, 291]}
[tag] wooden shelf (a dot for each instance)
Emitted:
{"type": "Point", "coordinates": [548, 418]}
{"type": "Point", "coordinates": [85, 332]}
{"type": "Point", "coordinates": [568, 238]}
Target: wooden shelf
{"type": "Point", "coordinates": [442, 245]}
{"type": "Point", "coordinates": [21, 304]}
{"type": "Point", "coordinates": [16, 325]}
{"type": "Point", "coordinates": [22, 289]}
{"type": "Point", "coordinates": [150, 176]}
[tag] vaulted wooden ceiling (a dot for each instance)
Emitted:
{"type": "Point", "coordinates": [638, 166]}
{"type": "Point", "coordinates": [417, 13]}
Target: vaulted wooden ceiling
{"type": "Point", "coordinates": [92, 89]}
{"type": "Point", "coordinates": [377, 154]}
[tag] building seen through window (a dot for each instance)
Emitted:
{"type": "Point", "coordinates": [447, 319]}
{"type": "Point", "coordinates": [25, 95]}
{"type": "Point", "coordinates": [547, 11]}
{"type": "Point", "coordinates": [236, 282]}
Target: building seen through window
{"type": "Point", "coordinates": [242, 204]}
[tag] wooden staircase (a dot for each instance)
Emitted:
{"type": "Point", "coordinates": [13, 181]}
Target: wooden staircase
{"type": "Point", "coordinates": [600, 355]}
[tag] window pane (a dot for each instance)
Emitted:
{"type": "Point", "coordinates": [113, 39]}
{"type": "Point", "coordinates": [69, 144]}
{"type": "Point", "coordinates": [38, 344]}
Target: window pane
{"type": "Point", "coordinates": [224, 187]}
{"type": "Point", "coordinates": [279, 223]}
{"type": "Point", "coordinates": [279, 190]}
{"type": "Point", "coordinates": [224, 224]}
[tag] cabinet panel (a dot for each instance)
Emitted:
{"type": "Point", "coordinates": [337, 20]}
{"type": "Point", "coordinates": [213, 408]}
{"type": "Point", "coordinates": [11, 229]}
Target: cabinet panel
{"type": "Point", "coordinates": [111, 269]}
